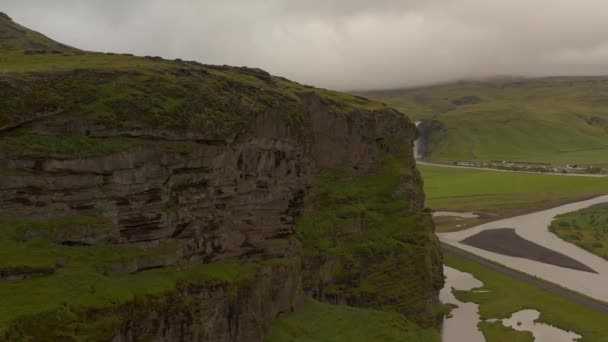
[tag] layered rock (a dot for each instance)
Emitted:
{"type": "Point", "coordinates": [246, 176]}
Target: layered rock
{"type": "Point", "coordinates": [228, 173]}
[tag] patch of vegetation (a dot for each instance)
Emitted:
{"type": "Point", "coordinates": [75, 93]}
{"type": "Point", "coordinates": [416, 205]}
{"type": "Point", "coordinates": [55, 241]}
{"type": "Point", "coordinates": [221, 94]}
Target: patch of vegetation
{"type": "Point", "coordinates": [503, 194]}
{"type": "Point", "coordinates": [505, 120]}
{"type": "Point", "coordinates": [339, 102]}
{"type": "Point", "coordinates": [507, 295]}
{"type": "Point", "coordinates": [382, 247]}
{"type": "Point", "coordinates": [497, 332]}
{"type": "Point", "coordinates": [79, 284]}
{"type": "Point", "coordinates": [70, 144]}
{"type": "Point", "coordinates": [586, 228]}
{"type": "Point", "coordinates": [342, 196]}
{"type": "Point", "coordinates": [317, 321]}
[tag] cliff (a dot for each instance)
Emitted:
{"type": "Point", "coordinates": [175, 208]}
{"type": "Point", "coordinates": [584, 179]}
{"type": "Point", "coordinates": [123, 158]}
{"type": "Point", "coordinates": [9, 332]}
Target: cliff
{"type": "Point", "coordinates": [174, 201]}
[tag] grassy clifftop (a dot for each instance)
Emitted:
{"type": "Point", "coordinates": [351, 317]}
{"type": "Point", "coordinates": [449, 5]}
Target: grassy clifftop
{"type": "Point", "coordinates": [124, 91]}
{"type": "Point", "coordinates": [550, 120]}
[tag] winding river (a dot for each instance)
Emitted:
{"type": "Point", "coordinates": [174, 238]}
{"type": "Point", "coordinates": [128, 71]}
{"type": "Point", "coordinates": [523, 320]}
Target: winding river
{"type": "Point", "coordinates": [462, 325]}
{"type": "Point", "coordinates": [534, 228]}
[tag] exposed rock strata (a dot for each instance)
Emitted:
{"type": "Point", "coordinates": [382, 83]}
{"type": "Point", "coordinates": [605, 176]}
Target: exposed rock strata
{"type": "Point", "coordinates": [214, 197]}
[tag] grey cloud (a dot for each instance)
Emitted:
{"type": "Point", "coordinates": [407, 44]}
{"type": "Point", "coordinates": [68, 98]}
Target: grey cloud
{"type": "Point", "coordinates": [342, 44]}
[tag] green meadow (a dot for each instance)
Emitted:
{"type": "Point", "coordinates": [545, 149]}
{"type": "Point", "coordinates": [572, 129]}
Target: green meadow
{"type": "Point", "coordinates": [503, 194]}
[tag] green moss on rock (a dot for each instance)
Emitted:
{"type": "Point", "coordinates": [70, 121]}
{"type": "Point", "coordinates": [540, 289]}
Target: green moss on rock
{"type": "Point", "coordinates": [69, 144]}
{"type": "Point", "coordinates": [364, 245]}
{"type": "Point", "coordinates": [78, 284]}
{"type": "Point", "coordinates": [133, 92]}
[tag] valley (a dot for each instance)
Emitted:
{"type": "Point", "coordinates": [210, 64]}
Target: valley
{"type": "Point", "coordinates": [499, 215]}
{"type": "Point", "coordinates": [527, 204]}
{"type": "Point", "coordinates": [145, 198]}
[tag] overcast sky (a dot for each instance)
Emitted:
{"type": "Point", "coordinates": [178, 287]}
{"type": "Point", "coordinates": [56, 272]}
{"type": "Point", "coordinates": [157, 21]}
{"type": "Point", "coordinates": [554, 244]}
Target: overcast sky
{"type": "Point", "coordinates": [341, 44]}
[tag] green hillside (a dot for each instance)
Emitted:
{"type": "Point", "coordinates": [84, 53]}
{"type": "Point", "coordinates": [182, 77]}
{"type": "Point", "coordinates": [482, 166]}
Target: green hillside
{"type": "Point", "coordinates": [556, 120]}
{"type": "Point", "coordinates": [16, 37]}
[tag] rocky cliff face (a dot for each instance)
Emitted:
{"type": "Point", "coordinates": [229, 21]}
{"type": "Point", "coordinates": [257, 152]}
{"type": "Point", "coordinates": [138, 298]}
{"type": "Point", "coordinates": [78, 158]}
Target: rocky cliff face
{"type": "Point", "coordinates": [237, 191]}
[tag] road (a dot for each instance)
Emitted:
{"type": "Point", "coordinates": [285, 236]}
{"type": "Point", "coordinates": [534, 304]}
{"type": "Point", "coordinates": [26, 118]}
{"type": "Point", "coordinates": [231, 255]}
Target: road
{"type": "Point", "coordinates": [547, 286]}
{"type": "Point", "coordinates": [419, 162]}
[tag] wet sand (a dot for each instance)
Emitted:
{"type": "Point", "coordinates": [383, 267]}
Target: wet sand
{"type": "Point", "coordinates": [504, 241]}
{"type": "Point", "coordinates": [534, 228]}
{"type": "Point", "coordinates": [462, 326]}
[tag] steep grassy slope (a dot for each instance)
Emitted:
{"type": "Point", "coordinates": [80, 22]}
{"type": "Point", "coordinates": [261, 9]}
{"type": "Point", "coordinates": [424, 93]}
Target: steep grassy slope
{"type": "Point", "coordinates": [336, 239]}
{"type": "Point", "coordinates": [16, 37]}
{"type": "Point", "coordinates": [549, 120]}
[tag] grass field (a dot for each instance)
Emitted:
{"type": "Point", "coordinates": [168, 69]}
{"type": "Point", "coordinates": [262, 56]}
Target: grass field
{"type": "Point", "coordinates": [317, 321]}
{"type": "Point", "coordinates": [587, 228]}
{"type": "Point", "coordinates": [500, 194]}
{"type": "Point", "coordinates": [508, 295]}
{"type": "Point", "coordinates": [497, 332]}
{"type": "Point", "coordinates": [550, 120]}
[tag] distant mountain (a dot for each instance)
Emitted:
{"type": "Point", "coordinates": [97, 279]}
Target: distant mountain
{"type": "Point", "coordinates": [16, 37]}
{"type": "Point", "coordinates": [558, 120]}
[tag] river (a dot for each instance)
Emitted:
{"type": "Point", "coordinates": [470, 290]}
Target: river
{"type": "Point", "coordinates": [534, 227]}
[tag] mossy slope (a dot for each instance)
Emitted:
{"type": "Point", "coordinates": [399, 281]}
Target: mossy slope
{"type": "Point", "coordinates": [128, 92]}
{"type": "Point", "coordinates": [16, 37]}
{"type": "Point", "coordinates": [317, 321]}
{"type": "Point", "coordinates": [367, 246]}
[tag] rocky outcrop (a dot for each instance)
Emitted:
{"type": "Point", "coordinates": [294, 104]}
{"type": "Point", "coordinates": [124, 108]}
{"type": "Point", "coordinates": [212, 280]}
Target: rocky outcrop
{"type": "Point", "coordinates": [217, 201]}
{"type": "Point", "coordinates": [216, 313]}
{"type": "Point", "coordinates": [232, 177]}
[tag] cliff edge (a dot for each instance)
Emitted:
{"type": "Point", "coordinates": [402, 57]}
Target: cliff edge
{"type": "Point", "coordinates": [171, 200]}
